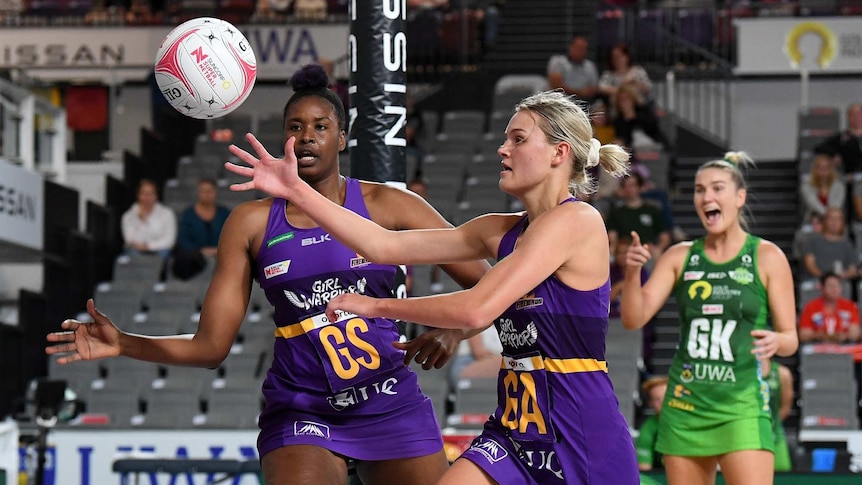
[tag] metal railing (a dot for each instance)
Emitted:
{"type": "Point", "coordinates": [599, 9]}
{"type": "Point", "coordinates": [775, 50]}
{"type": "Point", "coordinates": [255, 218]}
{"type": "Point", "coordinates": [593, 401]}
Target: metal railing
{"type": "Point", "coordinates": [32, 132]}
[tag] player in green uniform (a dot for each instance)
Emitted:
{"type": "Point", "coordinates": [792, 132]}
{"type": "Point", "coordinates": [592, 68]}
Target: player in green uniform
{"type": "Point", "coordinates": [780, 381]}
{"type": "Point", "coordinates": [726, 284]}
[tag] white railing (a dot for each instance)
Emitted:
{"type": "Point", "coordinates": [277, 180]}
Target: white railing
{"type": "Point", "coordinates": [32, 132]}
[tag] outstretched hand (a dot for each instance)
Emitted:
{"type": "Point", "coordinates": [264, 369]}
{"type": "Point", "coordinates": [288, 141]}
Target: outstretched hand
{"type": "Point", "coordinates": [275, 176]}
{"type": "Point", "coordinates": [638, 254]}
{"type": "Point", "coordinates": [351, 303]}
{"type": "Point", "coordinates": [433, 348]}
{"type": "Point", "coordinates": [85, 340]}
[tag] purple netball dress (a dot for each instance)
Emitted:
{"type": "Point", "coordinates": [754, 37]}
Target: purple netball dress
{"type": "Point", "coordinates": [339, 385]}
{"type": "Point", "coordinates": [557, 420]}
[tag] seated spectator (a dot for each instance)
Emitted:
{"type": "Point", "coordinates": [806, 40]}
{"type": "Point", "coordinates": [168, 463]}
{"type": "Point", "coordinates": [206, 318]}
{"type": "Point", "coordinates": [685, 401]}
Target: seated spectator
{"type": "Point", "coordinates": [199, 230]}
{"type": "Point", "coordinates": [654, 390]}
{"type": "Point", "coordinates": [822, 188]}
{"type": "Point", "coordinates": [573, 72]}
{"type": "Point", "coordinates": [149, 226]}
{"type": "Point", "coordinates": [829, 317]}
{"type": "Point", "coordinates": [477, 357]}
{"type": "Point", "coordinates": [617, 274]}
{"type": "Point", "coordinates": [846, 146]}
{"type": "Point", "coordinates": [633, 213]}
{"type": "Point", "coordinates": [831, 250]}
{"type": "Point", "coordinates": [310, 9]}
{"type": "Point", "coordinates": [635, 121]}
{"type": "Point", "coordinates": [623, 71]}
{"type": "Point", "coordinates": [803, 235]}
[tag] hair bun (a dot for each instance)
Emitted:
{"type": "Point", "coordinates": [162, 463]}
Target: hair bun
{"type": "Point", "coordinates": [311, 76]}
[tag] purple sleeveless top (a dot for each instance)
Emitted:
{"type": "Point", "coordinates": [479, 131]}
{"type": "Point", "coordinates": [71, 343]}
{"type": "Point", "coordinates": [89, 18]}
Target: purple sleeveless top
{"type": "Point", "coordinates": [557, 418]}
{"type": "Point", "coordinates": [300, 270]}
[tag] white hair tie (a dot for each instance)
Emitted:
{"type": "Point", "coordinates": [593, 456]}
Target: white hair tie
{"type": "Point", "coordinates": [593, 156]}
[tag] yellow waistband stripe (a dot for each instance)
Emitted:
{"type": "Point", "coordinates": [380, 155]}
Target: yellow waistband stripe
{"type": "Point", "coordinates": [307, 325]}
{"type": "Point", "coordinates": [563, 366]}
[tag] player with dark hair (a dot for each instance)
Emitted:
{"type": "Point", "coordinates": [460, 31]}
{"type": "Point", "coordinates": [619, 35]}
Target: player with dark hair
{"type": "Point", "coordinates": [335, 390]}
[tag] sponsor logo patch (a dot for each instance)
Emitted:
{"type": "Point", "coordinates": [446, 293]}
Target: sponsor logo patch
{"type": "Point", "coordinates": [716, 309]}
{"type": "Point", "coordinates": [276, 269]}
{"type": "Point", "coordinates": [281, 238]}
{"type": "Point", "coordinates": [692, 275]}
{"type": "Point", "coordinates": [490, 449]}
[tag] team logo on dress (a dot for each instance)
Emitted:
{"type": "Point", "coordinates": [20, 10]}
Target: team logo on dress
{"type": "Point", "coordinates": [323, 291]}
{"type": "Point", "coordinates": [310, 428]}
{"type": "Point", "coordinates": [511, 337]}
{"type": "Point", "coordinates": [694, 260]}
{"type": "Point", "coordinates": [686, 375]}
{"type": "Point", "coordinates": [679, 391]}
{"type": "Point", "coordinates": [746, 260]}
{"type": "Point", "coordinates": [702, 287]}
{"type": "Point", "coordinates": [490, 449]}
{"type": "Point", "coordinates": [529, 301]}
{"type": "Point", "coordinates": [742, 276]}
{"type": "Point", "coordinates": [276, 269]}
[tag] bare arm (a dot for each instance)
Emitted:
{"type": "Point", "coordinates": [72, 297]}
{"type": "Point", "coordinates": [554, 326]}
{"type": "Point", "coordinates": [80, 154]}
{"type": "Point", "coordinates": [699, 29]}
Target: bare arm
{"type": "Point", "coordinates": [640, 303]}
{"type": "Point", "coordinates": [279, 178]}
{"type": "Point", "coordinates": [811, 264]}
{"type": "Point", "coordinates": [223, 311]}
{"type": "Point", "coordinates": [778, 280]}
{"type": "Point", "coordinates": [545, 248]}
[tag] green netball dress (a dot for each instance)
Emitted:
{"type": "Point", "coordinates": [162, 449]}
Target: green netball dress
{"type": "Point", "coordinates": [716, 401]}
{"type": "Point", "coordinates": [782, 451]}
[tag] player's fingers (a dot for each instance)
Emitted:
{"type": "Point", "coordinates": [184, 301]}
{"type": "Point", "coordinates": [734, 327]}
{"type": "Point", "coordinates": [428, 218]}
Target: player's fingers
{"type": "Point", "coordinates": [243, 170]}
{"type": "Point", "coordinates": [636, 240]}
{"type": "Point", "coordinates": [257, 146]}
{"type": "Point", "coordinates": [243, 186]}
{"type": "Point", "coordinates": [242, 154]}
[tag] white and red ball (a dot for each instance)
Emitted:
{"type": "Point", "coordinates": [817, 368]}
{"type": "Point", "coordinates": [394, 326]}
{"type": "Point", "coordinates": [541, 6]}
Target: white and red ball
{"type": "Point", "coordinates": [205, 68]}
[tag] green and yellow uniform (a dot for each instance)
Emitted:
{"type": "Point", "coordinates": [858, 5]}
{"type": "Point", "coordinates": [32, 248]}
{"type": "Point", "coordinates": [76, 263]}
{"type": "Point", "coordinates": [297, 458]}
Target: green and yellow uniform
{"type": "Point", "coordinates": [716, 401]}
{"type": "Point", "coordinates": [782, 451]}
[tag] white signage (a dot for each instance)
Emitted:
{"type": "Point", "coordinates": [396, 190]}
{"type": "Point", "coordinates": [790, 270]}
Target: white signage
{"type": "Point", "coordinates": [85, 457]}
{"type": "Point", "coordinates": [129, 52]}
{"type": "Point", "coordinates": [819, 45]}
{"type": "Point", "coordinates": [22, 202]}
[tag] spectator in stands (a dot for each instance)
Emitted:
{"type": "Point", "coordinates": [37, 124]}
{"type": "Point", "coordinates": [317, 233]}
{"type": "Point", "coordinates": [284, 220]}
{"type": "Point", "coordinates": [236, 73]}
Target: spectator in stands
{"type": "Point", "coordinates": [823, 187]}
{"type": "Point", "coordinates": [313, 420]}
{"type": "Point", "coordinates": [654, 390]}
{"type": "Point", "coordinates": [310, 9]}
{"type": "Point", "coordinates": [573, 72]}
{"type": "Point", "coordinates": [633, 213]}
{"type": "Point", "coordinates": [804, 234]}
{"type": "Point", "coordinates": [618, 273]}
{"type": "Point", "coordinates": [623, 71]}
{"type": "Point", "coordinates": [635, 120]}
{"type": "Point", "coordinates": [780, 402]}
{"type": "Point", "coordinates": [199, 231]}
{"type": "Point", "coordinates": [617, 277]}
{"type": "Point", "coordinates": [846, 146]}
{"type": "Point", "coordinates": [831, 250]}
{"type": "Point", "coordinates": [729, 285]}
{"type": "Point", "coordinates": [478, 357]}
{"type": "Point", "coordinates": [148, 226]}
{"type": "Point", "coordinates": [830, 317]}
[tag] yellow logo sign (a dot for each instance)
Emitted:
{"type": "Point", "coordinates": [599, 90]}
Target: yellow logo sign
{"type": "Point", "coordinates": [828, 43]}
{"type": "Point", "coordinates": [704, 294]}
